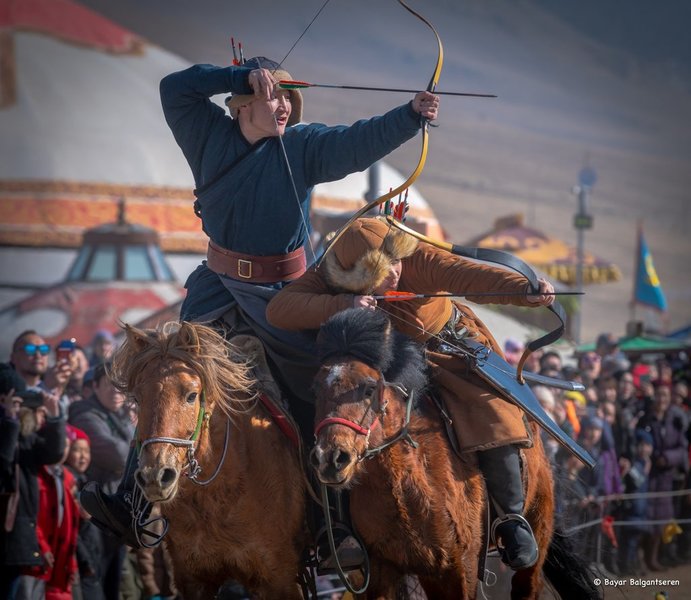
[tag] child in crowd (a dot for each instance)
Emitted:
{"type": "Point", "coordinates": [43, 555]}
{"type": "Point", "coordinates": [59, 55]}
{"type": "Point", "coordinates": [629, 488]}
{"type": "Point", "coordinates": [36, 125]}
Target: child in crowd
{"type": "Point", "coordinates": [89, 538]}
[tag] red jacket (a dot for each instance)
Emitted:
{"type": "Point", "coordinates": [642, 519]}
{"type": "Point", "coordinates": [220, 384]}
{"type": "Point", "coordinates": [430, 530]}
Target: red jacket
{"type": "Point", "coordinates": [59, 540]}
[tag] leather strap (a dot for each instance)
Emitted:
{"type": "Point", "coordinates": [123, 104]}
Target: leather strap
{"type": "Point", "coordinates": [256, 269]}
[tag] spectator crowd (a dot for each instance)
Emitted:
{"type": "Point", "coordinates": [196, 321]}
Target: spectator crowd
{"type": "Point", "coordinates": [628, 513]}
{"type": "Point", "coordinates": [62, 424]}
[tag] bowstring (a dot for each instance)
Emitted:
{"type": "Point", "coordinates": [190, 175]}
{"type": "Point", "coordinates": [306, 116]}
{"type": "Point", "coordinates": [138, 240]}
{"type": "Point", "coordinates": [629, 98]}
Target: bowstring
{"type": "Point", "coordinates": [295, 192]}
{"type": "Point", "coordinates": [302, 34]}
{"type": "Point", "coordinates": [282, 145]}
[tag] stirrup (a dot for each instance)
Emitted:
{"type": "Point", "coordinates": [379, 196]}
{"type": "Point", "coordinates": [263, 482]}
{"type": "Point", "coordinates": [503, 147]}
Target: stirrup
{"type": "Point", "coordinates": [501, 547]}
{"type": "Point", "coordinates": [129, 525]}
{"type": "Point", "coordinates": [349, 550]}
{"type": "Point", "coordinates": [141, 508]}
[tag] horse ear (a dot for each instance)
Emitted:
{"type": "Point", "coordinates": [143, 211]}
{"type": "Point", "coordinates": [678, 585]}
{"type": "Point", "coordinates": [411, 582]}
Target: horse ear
{"type": "Point", "coordinates": [189, 337]}
{"type": "Point", "coordinates": [136, 337]}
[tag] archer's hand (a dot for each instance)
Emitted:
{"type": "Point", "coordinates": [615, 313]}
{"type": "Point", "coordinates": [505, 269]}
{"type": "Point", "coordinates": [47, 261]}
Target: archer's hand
{"type": "Point", "coordinates": [364, 302]}
{"type": "Point", "coordinates": [426, 104]}
{"type": "Point", "coordinates": [542, 298]}
{"type": "Point", "coordinates": [262, 83]}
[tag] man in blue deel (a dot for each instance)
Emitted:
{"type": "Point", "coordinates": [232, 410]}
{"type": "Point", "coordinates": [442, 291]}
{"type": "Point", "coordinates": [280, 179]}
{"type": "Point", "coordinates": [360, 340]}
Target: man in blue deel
{"type": "Point", "coordinates": [254, 172]}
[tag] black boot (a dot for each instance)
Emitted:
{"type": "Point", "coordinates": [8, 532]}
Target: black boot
{"type": "Point", "coordinates": [122, 514]}
{"type": "Point", "coordinates": [349, 551]}
{"type": "Point", "coordinates": [510, 531]}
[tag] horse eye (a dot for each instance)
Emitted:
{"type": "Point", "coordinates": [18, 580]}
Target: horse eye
{"type": "Point", "coordinates": [191, 398]}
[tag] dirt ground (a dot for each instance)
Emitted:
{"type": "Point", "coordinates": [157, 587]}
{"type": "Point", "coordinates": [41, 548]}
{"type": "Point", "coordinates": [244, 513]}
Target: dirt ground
{"type": "Point", "coordinates": [676, 582]}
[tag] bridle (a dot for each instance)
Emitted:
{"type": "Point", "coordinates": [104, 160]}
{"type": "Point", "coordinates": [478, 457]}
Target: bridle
{"type": "Point", "coordinates": [373, 395]}
{"type": "Point", "coordinates": [192, 469]}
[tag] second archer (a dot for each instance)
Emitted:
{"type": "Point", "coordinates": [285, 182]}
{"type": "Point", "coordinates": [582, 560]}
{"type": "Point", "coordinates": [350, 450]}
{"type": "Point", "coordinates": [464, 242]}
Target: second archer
{"type": "Point", "coordinates": [372, 258]}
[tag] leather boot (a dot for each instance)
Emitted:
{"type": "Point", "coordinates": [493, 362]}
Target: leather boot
{"type": "Point", "coordinates": [510, 531]}
{"type": "Point", "coordinates": [114, 513]}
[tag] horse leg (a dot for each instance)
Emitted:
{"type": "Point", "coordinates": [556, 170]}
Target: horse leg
{"type": "Point", "coordinates": [277, 588]}
{"type": "Point", "coordinates": [451, 585]}
{"type": "Point", "coordinates": [383, 583]}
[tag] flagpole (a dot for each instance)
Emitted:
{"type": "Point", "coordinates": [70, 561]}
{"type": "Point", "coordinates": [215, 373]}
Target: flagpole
{"type": "Point", "coordinates": [636, 266]}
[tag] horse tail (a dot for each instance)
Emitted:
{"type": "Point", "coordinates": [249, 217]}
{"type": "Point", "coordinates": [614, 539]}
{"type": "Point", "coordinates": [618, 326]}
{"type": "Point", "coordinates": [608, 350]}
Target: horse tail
{"type": "Point", "coordinates": [567, 573]}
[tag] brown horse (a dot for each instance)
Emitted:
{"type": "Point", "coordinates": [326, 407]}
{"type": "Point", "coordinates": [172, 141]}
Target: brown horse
{"type": "Point", "coordinates": [419, 507]}
{"type": "Point", "coordinates": [199, 419]}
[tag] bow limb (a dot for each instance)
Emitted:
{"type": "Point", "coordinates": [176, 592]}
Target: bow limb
{"type": "Point", "coordinates": [434, 80]}
{"type": "Point", "coordinates": [506, 259]}
{"type": "Point", "coordinates": [431, 86]}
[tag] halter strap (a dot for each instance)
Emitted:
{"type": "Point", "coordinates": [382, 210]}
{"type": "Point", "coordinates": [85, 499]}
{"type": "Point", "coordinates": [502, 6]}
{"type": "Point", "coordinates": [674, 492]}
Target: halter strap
{"type": "Point", "coordinates": [359, 429]}
{"type": "Point", "coordinates": [180, 442]}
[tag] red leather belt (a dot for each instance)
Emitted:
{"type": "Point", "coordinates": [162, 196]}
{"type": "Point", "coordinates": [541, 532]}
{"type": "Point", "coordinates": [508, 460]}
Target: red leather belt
{"type": "Point", "coordinates": [256, 269]}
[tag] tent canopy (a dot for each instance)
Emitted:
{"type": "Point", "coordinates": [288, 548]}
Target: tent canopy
{"type": "Point", "coordinates": [550, 255]}
{"type": "Point", "coordinates": [643, 344]}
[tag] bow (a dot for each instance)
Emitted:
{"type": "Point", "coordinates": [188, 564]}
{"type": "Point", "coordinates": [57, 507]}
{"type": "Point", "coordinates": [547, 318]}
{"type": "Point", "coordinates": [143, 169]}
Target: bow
{"type": "Point", "coordinates": [506, 259]}
{"type": "Point", "coordinates": [431, 86]}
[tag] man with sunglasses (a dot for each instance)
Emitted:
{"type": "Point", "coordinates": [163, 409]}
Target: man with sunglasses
{"type": "Point", "coordinates": [30, 359]}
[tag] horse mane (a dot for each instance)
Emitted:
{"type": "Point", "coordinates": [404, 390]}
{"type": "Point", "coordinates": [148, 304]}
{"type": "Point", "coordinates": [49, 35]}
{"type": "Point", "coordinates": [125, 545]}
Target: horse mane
{"type": "Point", "coordinates": [368, 335]}
{"type": "Point", "coordinates": [224, 373]}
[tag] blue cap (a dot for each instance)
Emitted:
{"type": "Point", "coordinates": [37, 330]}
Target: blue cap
{"type": "Point", "coordinates": [644, 437]}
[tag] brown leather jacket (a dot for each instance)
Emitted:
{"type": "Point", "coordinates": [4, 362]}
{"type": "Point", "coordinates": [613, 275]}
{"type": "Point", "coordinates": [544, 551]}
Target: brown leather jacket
{"type": "Point", "coordinates": [481, 419]}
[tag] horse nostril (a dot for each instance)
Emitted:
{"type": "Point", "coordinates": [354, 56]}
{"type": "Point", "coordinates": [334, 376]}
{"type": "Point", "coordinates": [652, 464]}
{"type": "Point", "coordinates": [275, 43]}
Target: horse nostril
{"type": "Point", "coordinates": [315, 457]}
{"type": "Point", "coordinates": [167, 477]}
{"type": "Point", "coordinates": [341, 459]}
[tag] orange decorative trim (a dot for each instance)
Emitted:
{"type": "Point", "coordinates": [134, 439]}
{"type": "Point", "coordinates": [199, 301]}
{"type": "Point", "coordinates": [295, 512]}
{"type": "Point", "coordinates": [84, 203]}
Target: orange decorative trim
{"type": "Point", "coordinates": [29, 186]}
{"type": "Point", "coordinates": [591, 273]}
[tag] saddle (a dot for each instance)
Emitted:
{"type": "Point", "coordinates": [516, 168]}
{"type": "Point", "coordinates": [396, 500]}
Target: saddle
{"type": "Point", "coordinates": [268, 392]}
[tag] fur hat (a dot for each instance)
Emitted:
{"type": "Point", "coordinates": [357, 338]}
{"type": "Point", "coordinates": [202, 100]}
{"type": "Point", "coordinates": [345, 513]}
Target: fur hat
{"type": "Point", "coordinates": [259, 62]}
{"type": "Point", "coordinates": [361, 257]}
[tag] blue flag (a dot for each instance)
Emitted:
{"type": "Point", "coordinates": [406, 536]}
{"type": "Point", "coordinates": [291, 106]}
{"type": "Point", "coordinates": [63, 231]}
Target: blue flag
{"type": "Point", "coordinates": [647, 289]}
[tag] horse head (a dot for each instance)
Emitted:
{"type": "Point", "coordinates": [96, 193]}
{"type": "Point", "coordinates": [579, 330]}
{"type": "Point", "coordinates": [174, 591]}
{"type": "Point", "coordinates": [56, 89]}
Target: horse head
{"type": "Point", "coordinates": [368, 372]}
{"type": "Point", "coordinates": [178, 375]}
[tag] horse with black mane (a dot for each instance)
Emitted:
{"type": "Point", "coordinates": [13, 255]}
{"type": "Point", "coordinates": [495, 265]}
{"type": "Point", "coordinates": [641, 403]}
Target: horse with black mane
{"type": "Point", "coordinates": [419, 507]}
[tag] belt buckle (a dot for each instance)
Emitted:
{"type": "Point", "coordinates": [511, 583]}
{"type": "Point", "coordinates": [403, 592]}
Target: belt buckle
{"type": "Point", "coordinates": [247, 264]}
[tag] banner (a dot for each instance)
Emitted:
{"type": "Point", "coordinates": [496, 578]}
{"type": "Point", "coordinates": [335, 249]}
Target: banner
{"type": "Point", "coordinates": [647, 289]}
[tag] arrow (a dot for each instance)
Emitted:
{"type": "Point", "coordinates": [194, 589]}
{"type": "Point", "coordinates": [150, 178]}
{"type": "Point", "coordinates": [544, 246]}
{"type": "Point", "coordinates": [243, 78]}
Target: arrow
{"type": "Point", "coordinates": [395, 296]}
{"type": "Point", "coordinates": [288, 84]}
